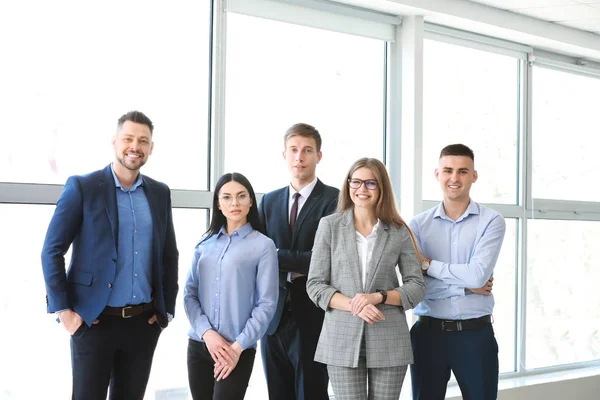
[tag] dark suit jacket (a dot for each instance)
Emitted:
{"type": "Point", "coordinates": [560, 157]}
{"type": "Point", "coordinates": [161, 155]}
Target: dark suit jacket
{"type": "Point", "coordinates": [86, 216]}
{"type": "Point", "coordinates": [294, 250]}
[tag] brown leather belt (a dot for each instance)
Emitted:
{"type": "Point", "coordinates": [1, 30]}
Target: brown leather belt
{"type": "Point", "coordinates": [128, 311]}
{"type": "Point", "coordinates": [456, 325]}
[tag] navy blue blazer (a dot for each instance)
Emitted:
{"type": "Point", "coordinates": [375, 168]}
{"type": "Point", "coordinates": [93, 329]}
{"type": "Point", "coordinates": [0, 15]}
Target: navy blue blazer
{"type": "Point", "coordinates": [294, 250]}
{"type": "Point", "coordinates": [86, 216]}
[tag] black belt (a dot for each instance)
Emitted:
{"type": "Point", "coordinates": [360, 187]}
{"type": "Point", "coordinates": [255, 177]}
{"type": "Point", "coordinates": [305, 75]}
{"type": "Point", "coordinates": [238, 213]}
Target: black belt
{"type": "Point", "coordinates": [128, 311]}
{"type": "Point", "coordinates": [447, 325]}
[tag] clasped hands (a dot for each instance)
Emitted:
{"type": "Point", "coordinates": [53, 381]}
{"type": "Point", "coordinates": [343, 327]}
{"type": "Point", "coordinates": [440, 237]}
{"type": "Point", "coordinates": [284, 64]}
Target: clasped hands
{"type": "Point", "coordinates": [364, 306]}
{"type": "Point", "coordinates": [224, 354]}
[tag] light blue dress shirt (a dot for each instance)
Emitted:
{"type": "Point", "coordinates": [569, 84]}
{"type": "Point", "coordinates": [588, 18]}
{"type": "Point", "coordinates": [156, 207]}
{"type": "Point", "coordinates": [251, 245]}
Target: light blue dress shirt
{"type": "Point", "coordinates": [133, 280]}
{"type": "Point", "coordinates": [464, 253]}
{"type": "Point", "coordinates": [232, 286]}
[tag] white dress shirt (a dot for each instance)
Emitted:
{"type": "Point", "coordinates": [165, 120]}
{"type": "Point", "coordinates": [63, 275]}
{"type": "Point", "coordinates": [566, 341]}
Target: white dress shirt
{"type": "Point", "coordinates": [365, 247]}
{"type": "Point", "coordinates": [304, 193]}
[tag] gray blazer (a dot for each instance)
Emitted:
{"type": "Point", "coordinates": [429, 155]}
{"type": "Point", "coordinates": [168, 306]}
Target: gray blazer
{"type": "Point", "coordinates": [335, 267]}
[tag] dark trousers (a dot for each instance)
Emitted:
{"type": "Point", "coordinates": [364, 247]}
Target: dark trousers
{"type": "Point", "coordinates": [288, 360]}
{"type": "Point", "coordinates": [471, 354]}
{"type": "Point", "coordinates": [201, 375]}
{"type": "Point", "coordinates": [117, 352]}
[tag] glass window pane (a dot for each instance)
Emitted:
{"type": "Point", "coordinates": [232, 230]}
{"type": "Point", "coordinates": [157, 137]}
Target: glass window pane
{"type": "Point", "coordinates": [22, 292]}
{"type": "Point", "coordinates": [70, 79]}
{"type": "Point", "coordinates": [565, 122]}
{"type": "Point", "coordinates": [472, 97]}
{"type": "Point", "coordinates": [169, 379]}
{"type": "Point", "coordinates": [563, 306]}
{"type": "Point", "coordinates": [331, 80]}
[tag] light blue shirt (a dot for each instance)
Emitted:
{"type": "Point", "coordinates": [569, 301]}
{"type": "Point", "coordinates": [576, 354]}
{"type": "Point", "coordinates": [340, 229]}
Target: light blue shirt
{"type": "Point", "coordinates": [464, 253]}
{"type": "Point", "coordinates": [232, 286]}
{"type": "Point", "coordinates": [133, 280]}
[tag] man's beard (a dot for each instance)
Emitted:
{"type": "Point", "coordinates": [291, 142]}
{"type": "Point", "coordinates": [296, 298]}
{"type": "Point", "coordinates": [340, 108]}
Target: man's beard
{"type": "Point", "coordinates": [129, 164]}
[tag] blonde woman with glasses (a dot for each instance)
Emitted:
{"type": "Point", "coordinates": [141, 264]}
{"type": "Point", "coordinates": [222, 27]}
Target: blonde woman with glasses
{"type": "Point", "coordinates": [365, 340]}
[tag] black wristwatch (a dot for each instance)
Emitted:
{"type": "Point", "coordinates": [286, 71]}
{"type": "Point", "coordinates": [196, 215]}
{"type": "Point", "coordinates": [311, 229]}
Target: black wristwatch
{"type": "Point", "coordinates": [383, 294]}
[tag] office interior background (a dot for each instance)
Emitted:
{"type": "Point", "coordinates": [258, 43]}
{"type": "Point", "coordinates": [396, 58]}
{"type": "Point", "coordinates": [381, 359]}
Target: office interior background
{"type": "Point", "coordinates": [516, 80]}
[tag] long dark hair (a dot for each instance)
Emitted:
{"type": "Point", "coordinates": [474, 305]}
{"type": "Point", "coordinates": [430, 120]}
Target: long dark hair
{"type": "Point", "coordinates": [217, 219]}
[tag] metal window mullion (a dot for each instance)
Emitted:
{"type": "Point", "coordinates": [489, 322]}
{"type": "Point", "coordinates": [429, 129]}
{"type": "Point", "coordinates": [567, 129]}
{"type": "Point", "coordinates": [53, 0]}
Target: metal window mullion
{"type": "Point", "coordinates": [211, 46]}
{"type": "Point", "coordinates": [476, 41]}
{"type": "Point", "coordinates": [394, 115]}
{"type": "Point", "coordinates": [526, 199]}
{"type": "Point", "coordinates": [565, 63]}
{"type": "Point", "coordinates": [29, 193]}
{"type": "Point", "coordinates": [575, 206]}
{"type": "Point", "coordinates": [348, 10]}
{"type": "Point", "coordinates": [191, 198]}
{"type": "Point", "coordinates": [322, 15]}
{"type": "Point", "coordinates": [218, 91]}
{"type": "Point", "coordinates": [386, 92]}
{"type": "Point", "coordinates": [564, 215]}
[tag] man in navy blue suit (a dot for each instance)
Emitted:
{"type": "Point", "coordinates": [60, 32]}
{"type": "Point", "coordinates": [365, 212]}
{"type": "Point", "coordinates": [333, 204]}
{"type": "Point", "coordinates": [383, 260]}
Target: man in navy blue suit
{"type": "Point", "coordinates": [291, 217]}
{"type": "Point", "coordinates": [119, 291]}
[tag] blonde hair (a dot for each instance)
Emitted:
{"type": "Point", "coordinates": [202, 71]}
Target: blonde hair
{"type": "Point", "coordinates": [385, 208]}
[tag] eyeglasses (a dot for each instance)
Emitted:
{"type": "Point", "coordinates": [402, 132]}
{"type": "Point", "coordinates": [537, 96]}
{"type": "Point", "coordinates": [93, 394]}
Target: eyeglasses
{"type": "Point", "coordinates": [243, 199]}
{"type": "Point", "coordinates": [370, 184]}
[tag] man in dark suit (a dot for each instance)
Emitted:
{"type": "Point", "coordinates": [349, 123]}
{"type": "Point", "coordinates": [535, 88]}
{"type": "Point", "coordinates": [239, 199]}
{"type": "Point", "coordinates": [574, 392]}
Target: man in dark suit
{"type": "Point", "coordinates": [119, 291]}
{"type": "Point", "coordinates": [291, 217]}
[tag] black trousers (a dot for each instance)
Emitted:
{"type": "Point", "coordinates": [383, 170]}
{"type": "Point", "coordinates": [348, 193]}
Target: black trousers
{"type": "Point", "coordinates": [116, 352]}
{"type": "Point", "coordinates": [288, 360]}
{"type": "Point", "coordinates": [203, 384]}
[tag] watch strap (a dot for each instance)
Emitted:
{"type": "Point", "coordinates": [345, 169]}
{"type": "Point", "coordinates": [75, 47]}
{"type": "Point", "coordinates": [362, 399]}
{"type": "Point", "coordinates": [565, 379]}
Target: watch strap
{"type": "Point", "coordinates": [383, 294]}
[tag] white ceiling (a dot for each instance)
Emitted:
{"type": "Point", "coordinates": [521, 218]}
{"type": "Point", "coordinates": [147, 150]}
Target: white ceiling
{"type": "Point", "coordinates": [578, 14]}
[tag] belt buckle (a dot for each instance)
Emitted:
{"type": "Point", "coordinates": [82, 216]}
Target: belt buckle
{"type": "Point", "coordinates": [123, 314]}
{"type": "Point", "coordinates": [458, 326]}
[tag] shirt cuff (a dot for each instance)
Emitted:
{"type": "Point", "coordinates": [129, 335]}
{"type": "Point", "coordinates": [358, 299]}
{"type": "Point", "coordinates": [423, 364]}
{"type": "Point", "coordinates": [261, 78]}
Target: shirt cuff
{"type": "Point", "coordinates": [243, 341]}
{"type": "Point", "coordinates": [435, 269]}
{"type": "Point", "coordinates": [202, 327]}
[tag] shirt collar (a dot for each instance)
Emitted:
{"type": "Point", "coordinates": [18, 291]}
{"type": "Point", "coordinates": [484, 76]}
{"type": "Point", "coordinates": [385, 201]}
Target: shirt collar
{"type": "Point", "coordinates": [241, 232]}
{"type": "Point", "coordinates": [306, 190]}
{"type": "Point", "coordinates": [375, 228]}
{"type": "Point", "coordinates": [472, 208]}
{"type": "Point", "coordinates": [373, 232]}
{"type": "Point", "coordinates": [138, 181]}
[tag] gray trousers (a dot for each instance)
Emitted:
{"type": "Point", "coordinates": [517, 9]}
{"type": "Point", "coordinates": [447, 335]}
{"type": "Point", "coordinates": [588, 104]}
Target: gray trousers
{"type": "Point", "coordinates": [362, 383]}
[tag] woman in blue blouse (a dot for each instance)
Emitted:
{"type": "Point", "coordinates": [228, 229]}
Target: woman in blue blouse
{"type": "Point", "coordinates": [230, 294]}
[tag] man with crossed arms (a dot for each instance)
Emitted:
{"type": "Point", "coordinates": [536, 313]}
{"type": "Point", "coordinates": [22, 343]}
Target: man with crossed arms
{"type": "Point", "coordinates": [460, 241]}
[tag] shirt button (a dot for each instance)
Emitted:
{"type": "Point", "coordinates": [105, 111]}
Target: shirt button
{"type": "Point", "coordinates": [217, 278]}
{"type": "Point", "coordinates": [216, 294]}
{"type": "Point", "coordinates": [134, 274]}
{"type": "Point", "coordinates": [110, 285]}
{"type": "Point", "coordinates": [134, 296]}
{"type": "Point", "coordinates": [136, 253]}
